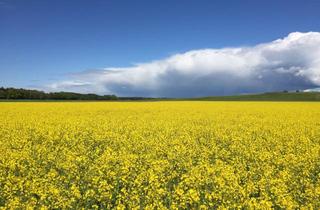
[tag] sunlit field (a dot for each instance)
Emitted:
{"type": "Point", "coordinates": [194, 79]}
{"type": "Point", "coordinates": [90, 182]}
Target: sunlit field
{"type": "Point", "coordinates": [132, 155]}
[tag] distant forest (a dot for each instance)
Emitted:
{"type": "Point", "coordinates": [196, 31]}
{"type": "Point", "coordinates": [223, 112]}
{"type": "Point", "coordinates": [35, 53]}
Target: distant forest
{"type": "Point", "coordinates": [24, 94]}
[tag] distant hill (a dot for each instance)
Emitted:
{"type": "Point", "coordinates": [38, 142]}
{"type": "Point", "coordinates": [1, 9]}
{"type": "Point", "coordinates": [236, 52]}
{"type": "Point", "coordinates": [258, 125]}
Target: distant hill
{"type": "Point", "coordinates": [274, 96]}
{"type": "Point", "coordinates": [35, 95]}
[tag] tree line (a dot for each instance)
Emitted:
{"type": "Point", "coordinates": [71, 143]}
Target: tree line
{"type": "Point", "coordinates": [24, 94]}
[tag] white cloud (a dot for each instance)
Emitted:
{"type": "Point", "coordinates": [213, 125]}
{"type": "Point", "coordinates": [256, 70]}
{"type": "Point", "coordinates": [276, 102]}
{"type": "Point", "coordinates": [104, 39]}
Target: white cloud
{"type": "Point", "coordinates": [289, 63]}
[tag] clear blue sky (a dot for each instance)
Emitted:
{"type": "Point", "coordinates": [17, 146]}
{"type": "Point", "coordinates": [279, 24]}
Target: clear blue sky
{"type": "Point", "coordinates": [44, 40]}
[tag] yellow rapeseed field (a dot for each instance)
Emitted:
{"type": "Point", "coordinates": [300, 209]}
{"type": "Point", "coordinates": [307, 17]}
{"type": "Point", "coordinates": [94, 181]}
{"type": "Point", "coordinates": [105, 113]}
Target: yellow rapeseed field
{"type": "Point", "coordinates": [160, 155]}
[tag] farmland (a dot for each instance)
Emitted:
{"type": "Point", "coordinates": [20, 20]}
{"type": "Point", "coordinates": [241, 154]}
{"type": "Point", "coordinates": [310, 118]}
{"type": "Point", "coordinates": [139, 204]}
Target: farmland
{"type": "Point", "coordinates": [165, 155]}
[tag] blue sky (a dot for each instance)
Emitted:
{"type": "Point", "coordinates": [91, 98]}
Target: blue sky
{"type": "Point", "coordinates": [43, 42]}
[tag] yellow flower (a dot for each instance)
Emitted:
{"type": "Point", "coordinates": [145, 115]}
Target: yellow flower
{"type": "Point", "coordinates": [159, 155]}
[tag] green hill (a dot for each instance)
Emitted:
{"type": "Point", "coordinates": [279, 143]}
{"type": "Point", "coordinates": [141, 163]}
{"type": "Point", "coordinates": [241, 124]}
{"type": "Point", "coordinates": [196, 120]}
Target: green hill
{"type": "Point", "coordinates": [274, 96]}
{"type": "Point", "coordinates": [15, 94]}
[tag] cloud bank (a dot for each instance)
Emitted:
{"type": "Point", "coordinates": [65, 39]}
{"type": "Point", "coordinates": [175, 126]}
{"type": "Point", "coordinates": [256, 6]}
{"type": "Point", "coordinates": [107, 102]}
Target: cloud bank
{"type": "Point", "coordinates": [289, 63]}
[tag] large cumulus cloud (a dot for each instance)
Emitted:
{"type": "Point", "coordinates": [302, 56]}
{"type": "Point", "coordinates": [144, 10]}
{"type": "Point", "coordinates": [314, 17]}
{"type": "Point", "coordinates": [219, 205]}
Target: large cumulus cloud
{"type": "Point", "coordinates": [289, 63]}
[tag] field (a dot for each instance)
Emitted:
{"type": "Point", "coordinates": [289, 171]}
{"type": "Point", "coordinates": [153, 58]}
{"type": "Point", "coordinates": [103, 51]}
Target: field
{"type": "Point", "coordinates": [147, 155]}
